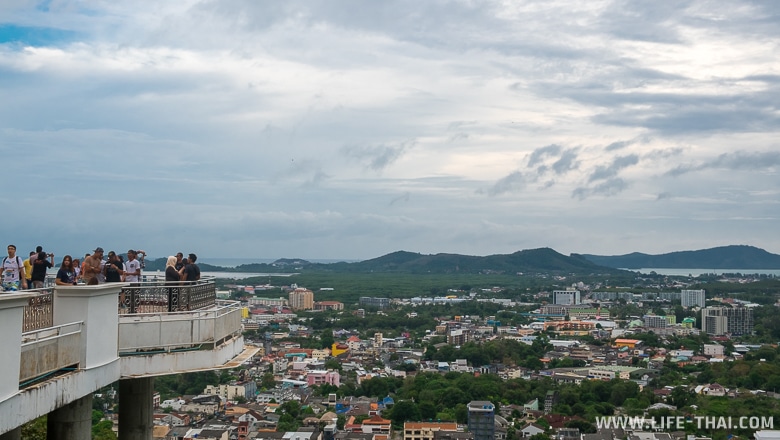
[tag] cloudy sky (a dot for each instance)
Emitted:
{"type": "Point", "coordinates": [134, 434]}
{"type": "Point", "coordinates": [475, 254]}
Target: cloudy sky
{"type": "Point", "coordinates": [351, 129]}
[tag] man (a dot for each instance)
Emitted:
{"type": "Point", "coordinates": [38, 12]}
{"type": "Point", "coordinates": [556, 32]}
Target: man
{"type": "Point", "coordinates": [132, 267]}
{"type": "Point", "coordinates": [93, 266]}
{"type": "Point", "coordinates": [40, 266]}
{"type": "Point", "coordinates": [191, 270]}
{"type": "Point", "coordinates": [28, 267]}
{"type": "Point", "coordinates": [113, 269]}
{"type": "Point", "coordinates": [13, 271]}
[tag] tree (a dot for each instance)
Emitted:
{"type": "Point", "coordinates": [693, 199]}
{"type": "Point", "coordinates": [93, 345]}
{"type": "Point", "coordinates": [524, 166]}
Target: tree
{"type": "Point", "coordinates": [268, 381]}
{"type": "Point", "coordinates": [404, 411]}
{"type": "Point", "coordinates": [103, 431]}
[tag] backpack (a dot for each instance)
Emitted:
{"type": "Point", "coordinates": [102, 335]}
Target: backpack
{"type": "Point", "coordinates": [18, 261]}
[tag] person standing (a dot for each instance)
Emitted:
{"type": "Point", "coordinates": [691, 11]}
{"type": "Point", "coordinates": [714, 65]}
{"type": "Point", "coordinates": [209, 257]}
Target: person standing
{"type": "Point", "coordinates": [28, 267]}
{"type": "Point", "coordinates": [66, 276]}
{"type": "Point", "coordinates": [113, 268]}
{"type": "Point", "coordinates": [191, 270]}
{"type": "Point", "coordinates": [173, 278]}
{"type": "Point", "coordinates": [13, 271]}
{"type": "Point", "coordinates": [40, 266]}
{"type": "Point", "coordinates": [92, 267]}
{"type": "Point", "coordinates": [132, 268]}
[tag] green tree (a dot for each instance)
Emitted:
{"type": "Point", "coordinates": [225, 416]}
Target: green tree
{"type": "Point", "coordinates": [404, 411]}
{"type": "Point", "coordinates": [103, 431]}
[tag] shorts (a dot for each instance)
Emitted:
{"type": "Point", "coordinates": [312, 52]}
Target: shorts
{"type": "Point", "coordinates": [11, 286]}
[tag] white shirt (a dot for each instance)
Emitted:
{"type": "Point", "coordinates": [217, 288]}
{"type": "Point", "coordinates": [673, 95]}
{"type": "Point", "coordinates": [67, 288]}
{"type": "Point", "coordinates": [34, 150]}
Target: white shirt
{"type": "Point", "coordinates": [11, 268]}
{"type": "Point", "coordinates": [131, 267]}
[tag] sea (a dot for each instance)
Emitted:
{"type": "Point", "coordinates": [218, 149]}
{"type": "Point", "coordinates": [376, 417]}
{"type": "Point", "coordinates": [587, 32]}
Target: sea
{"type": "Point", "coordinates": [697, 272]}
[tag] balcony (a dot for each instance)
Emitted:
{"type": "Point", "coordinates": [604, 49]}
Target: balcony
{"type": "Point", "coordinates": [63, 343]}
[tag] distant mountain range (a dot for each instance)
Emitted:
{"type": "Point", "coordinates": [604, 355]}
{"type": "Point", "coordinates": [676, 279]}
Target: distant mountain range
{"type": "Point", "coordinates": [724, 257]}
{"type": "Point", "coordinates": [527, 261]}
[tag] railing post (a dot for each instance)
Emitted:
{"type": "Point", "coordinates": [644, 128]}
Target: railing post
{"type": "Point", "coordinates": [96, 306]}
{"type": "Point", "coordinates": [11, 311]}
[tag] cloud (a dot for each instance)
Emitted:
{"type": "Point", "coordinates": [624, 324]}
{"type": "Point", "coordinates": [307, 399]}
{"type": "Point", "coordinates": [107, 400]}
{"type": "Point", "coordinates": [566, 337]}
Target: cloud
{"type": "Point", "coordinates": [540, 153]}
{"type": "Point", "coordinates": [377, 157]}
{"type": "Point", "coordinates": [738, 161]}
{"type": "Point", "coordinates": [607, 188]}
{"type": "Point", "coordinates": [509, 183]}
{"type": "Point", "coordinates": [611, 170]}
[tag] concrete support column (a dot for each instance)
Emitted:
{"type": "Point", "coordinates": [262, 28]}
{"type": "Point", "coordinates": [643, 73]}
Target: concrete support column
{"type": "Point", "coordinates": [14, 434]}
{"type": "Point", "coordinates": [71, 421]}
{"type": "Point", "coordinates": [135, 408]}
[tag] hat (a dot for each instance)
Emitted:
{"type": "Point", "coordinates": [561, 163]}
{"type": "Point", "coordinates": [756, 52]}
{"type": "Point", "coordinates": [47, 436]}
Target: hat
{"type": "Point", "coordinates": [100, 249]}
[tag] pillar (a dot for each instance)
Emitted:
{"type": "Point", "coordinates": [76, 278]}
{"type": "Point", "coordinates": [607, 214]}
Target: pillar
{"type": "Point", "coordinates": [14, 434]}
{"type": "Point", "coordinates": [72, 421]}
{"type": "Point", "coordinates": [135, 408]}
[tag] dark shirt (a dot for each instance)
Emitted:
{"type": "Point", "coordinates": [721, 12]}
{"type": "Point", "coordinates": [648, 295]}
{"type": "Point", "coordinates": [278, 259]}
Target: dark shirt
{"type": "Point", "coordinates": [66, 276]}
{"type": "Point", "coordinates": [171, 274]}
{"type": "Point", "coordinates": [192, 271]}
{"type": "Point", "coordinates": [39, 269]}
{"type": "Point", "coordinates": [112, 272]}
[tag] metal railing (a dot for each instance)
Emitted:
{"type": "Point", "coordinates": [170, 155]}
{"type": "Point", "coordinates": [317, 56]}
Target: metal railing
{"type": "Point", "coordinates": [158, 296]}
{"type": "Point", "coordinates": [142, 333]}
{"type": "Point", "coordinates": [153, 295]}
{"type": "Point", "coordinates": [39, 312]}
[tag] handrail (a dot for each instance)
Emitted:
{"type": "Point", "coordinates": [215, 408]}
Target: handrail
{"type": "Point", "coordinates": [177, 331]}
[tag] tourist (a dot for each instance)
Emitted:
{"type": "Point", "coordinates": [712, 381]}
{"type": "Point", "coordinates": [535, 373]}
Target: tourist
{"type": "Point", "coordinates": [173, 278]}
{"type": "Point", "coordinates": [113, 269]}
{"type": "Point", "coordinates": [13, 271]}
{"type": "Point", "coordinates": [67, 276]}
{"type": "Point", "coordinates": [191, 270]}
{"type": "Point", "coordinates": [132, 267]}
{"type": "Point", "coordinates": [40, 266]}
{"type": "Point", "coordinates": [28, 266]}
{"type": "Point", "coordinates": [92, 267]}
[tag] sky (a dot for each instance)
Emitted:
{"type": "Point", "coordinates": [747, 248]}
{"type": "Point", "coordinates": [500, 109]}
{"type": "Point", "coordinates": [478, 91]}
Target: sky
{"type": "Point", "coordinates": [352, 129]}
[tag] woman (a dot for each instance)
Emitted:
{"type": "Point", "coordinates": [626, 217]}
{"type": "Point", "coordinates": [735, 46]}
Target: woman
{"type": "Point", "coordinates": [77, 269]}
{"type": "Point", "coordinates": [172, 278]}
{"type": "Point", "coordinates": [66, 276]}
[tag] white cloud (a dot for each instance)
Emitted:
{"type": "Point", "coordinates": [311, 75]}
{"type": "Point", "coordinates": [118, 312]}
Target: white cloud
{"type": "Point", "coordinates": [346, 130]}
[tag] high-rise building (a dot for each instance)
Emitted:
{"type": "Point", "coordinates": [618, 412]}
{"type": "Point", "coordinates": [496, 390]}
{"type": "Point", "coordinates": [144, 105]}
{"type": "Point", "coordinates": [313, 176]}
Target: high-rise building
{"type": "Point", "coordinates": [692, 298]}
{"type": "Point", "coordinates": [482, 419]}
{"type": "Point", "coordinates": [301, 299]}
{"type": "Point", "coordinates": [566, 297]}
{"type": "Point", "coordinates": [722, 320]}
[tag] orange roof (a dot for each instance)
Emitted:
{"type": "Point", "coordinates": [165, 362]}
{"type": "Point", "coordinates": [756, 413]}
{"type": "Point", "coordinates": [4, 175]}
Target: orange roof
{"type": "Point", "coordinates": [445, 426]}
{"type": "Point", "coordinates": [376, 420]}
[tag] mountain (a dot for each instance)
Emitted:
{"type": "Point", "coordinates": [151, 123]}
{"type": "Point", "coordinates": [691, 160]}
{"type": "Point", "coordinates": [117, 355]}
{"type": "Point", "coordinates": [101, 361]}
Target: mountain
{"type": "Point", "coordinates": [533, 260]}
{"type": "Point", "coordinates": [724, 257]}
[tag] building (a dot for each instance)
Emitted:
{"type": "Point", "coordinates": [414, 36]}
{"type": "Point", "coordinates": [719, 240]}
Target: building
{"type": "Point", "coordinates": [713, 350]}
{"type": "Point", "coordinates": [247, 390]}
{"type": "Point", "coordinates": [320, 377]}
{"type": "Point", "coordinates": [301, 299]}
{"type": "Point", "coordinates": [370, 301]}
{"type": "Point", "coordinates": [482, 419]}
{"type": "Point", "coordinates": [718, 321]}
{"type": "Point", "coordinates": [692, 298]}
{"type": "Point", "coordinates": [459, 337]}
{"type": "Point", "coordinates": [655, 321]}
{"type": "Point", "coordinates": [426, 431]}
{"type": "Point", "coordinates": [566, 297]}
{"type": "Point", "coordinates": [328, 305]}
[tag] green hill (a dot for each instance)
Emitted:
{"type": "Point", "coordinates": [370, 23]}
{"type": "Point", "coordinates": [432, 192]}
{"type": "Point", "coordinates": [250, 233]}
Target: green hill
{"type": "Point", "coordinates": [724, 257]}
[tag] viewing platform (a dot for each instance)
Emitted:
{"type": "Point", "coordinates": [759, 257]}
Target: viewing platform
{"type": "Point", "coordinates": [63, 343]}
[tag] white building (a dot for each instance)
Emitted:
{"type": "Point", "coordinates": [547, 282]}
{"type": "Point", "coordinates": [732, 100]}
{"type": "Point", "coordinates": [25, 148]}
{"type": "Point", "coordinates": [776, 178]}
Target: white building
{"type": "Point", "coordinates": [566, 297]}
{"type": "Point", "coordinates": [692, 298]}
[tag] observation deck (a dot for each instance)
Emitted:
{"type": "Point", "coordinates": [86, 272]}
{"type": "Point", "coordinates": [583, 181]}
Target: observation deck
{"type": "Point", "coordinates": [62, 343]}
